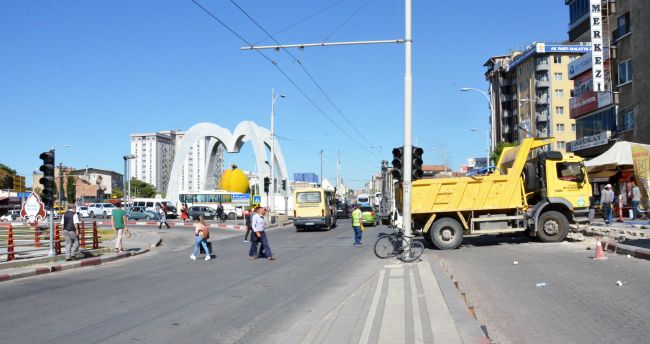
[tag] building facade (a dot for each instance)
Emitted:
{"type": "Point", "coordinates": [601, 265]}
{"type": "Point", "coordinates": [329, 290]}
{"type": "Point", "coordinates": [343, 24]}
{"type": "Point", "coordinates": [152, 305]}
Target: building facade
{"type": "Point", "coordinates": [503, 92]}
{"type": "Point", "coordinates": [155, 154]}
{"type": "Point", "coordinates": [306, 178]}
{"type": "Point", "coordinates": [621, 112]}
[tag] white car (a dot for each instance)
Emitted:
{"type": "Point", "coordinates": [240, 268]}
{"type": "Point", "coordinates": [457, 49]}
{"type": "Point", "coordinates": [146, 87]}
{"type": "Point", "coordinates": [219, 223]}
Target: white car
{"type": "Point", "coordinates": [100, 209]}
{"type": "Point", "coordinates": [83, 211]}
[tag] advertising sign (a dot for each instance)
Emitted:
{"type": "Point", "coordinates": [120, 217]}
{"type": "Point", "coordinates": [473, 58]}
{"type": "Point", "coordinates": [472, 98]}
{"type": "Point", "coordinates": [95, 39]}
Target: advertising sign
{"type": "Point", "coordinates": [597, 59]}
{"type": "Point", "coordinates": [33, 209]}
{"type": "Point", "coordinates": [589, 141]}
{"type": "Point", "coordinates": [641, 160]}
{"type": "Point", "coordinates": [241, 200]}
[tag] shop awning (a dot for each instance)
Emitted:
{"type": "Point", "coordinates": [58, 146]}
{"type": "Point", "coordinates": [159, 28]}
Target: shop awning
{"type": "Point", "coordinates": [620, 154]}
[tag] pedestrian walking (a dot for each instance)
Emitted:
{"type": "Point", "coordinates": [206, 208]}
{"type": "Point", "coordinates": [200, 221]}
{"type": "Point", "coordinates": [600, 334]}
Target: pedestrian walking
{"type": "Point", "coordinates": [219, 212]}
{"type": "Point", "coordinates": [162, 218]}
{"type": "Point", "coordinates": [259, 233]}
{"type": "Point", "coordinates": [184, 213]}
{"type": "Point", "coordinates": [70, 222]}
{"type": "Point", "coordinates": [249, 226]}
{"type": "Point", "coordinates": [357, 225]}
{"type": "Point", "coordinates": [635, 194]}
{"type": "Point", "coordinates": [606, 199]}
{"type": "Point", "coordinates": [201, 235]}
{"type": "Point", "coordinates": [118, 221]}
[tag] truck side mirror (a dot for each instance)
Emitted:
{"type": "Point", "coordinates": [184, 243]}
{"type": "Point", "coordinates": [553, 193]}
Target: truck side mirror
{"type": "Point", "coordinates": [580, 178]}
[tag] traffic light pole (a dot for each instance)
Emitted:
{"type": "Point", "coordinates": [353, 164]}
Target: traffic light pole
{"type": "Point", "coordinates": [408, 123]}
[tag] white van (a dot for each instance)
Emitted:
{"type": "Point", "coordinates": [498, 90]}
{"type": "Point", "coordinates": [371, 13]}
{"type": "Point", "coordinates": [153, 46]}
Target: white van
{"type": "Point", "coordinates": [153, 204]}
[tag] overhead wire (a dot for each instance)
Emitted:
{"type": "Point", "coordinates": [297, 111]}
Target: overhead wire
{"type": "Point", "coordinates": [274, 63]}
{"type": "Point", "coordinates": [346, 20]}
{"type": "Point", "coordinates": [311, 77]}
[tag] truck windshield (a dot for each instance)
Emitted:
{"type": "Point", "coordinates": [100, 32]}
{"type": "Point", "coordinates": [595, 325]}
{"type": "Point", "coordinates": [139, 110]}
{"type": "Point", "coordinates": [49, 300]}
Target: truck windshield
{"type": "Point", "coordinates": [569, 171]}
{"type": "Point", "coordinates": [308, 197]}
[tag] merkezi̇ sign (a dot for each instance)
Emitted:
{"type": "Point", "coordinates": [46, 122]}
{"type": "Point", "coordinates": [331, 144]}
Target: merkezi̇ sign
{"type": "Point", "coordinates": [597, 61]}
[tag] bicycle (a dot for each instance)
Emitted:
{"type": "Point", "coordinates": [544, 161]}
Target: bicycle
{"type": "Point", "coordinates": [398, 245]}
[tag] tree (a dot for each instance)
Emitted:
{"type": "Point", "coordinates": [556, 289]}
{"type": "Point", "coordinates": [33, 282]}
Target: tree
{"type": "Point", "coordinates": [117, 193]}
{"type": "Point", "coordinates": [142, 189]}
{"type": "Point", "coordinates": [71, 190]}
{"type": "Point", "coordinates": [498, 149]}
{"type": "Point", "coordinates": [8, 169]}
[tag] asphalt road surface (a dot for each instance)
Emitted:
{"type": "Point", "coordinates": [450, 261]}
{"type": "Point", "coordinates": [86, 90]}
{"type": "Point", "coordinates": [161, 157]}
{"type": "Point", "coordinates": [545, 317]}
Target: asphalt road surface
{"type": "Point", "coordinates": [164, 297]}
{"type": "Point", "coordinates": [581, 304]}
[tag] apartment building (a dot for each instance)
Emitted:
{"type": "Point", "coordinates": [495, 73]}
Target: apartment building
{"type": "Point", "coordinates": [544, 89]}
{"type": "Point", "coordinates": [621, 112]}
{"type": "Point", "coordinates": [503, 92]}
{"type": "Point", "coordinates": [155, 153]}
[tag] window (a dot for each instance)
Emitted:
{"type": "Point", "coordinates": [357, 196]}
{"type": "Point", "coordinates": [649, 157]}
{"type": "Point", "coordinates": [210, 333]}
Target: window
{"type": "Point", "coordinates": [559, 110]}
{"type": "Point", "coordinates": [557, 76]}
{"type": "Point", "coordinates": [569, 171]}
{"type": "Point", "coordinates": [623, 26]}
{"type": "Point", "coordinates": [561, 145]}
{"type": "Point", "coordinates": [559, 92]}
{"type": "Point", "coordinates": [557, 59]}
{"type": "Point", "coordinates": [573, 128]}
{"type": "Point", "coordinates": [625, 72]}
{"type": "Point", "coordinates": [627, 119]}
{"type": "Point", "coordinates": [559, 127]}
{"type": "Point", "coordinates": [308, 197]}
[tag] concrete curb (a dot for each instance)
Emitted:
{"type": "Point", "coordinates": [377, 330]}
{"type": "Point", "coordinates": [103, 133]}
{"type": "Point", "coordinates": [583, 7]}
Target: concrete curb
{"type": "Point", "coordinates": [633, 251]}
{"type": "Point", "coordinates": [61, 266]}
{"type": "Point", "coordinates": [174, 224]}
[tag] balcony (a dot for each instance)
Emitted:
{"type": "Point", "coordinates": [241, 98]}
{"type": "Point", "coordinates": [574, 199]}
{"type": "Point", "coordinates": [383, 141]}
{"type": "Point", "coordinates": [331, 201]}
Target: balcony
{"type": "Point", "coordinates": [543, 66]}
{"type": "Point", "coordinates": [543, 83]}
{"type": "Point", "coordinates": [543, 117]}
{"type": "Point", "coordinates": [506, 113]}
{"type": "Point", "coordinates": [509, 96]}
{"type": "Point", "coordinates": [542, 100]}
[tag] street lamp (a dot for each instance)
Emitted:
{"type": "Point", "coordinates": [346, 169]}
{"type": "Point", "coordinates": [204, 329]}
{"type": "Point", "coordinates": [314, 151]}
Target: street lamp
{"type": "Point", "coordinates": [445, 152]}
{"type": "Point", "coordinates": [61, 178]}
{"type": "Point", "coordinates": [466, 89]}
{"type": "Point", "coordinates": [273, 99]}
{"type": "Point", "coordinates": [126, 177]}
{"type": "Point", "coordinates": [487, 132]}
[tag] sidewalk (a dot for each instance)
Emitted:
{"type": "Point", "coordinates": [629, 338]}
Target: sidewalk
{"type": "Point", "coordinates": [141, 242]}
{"type": "Point", "coordinates": [628, 237]}
{"type": "Point", "coordinates": [401, 303]}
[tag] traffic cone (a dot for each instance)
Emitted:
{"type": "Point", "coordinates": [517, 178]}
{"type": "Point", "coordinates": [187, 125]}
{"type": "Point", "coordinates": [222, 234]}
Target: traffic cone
{"type": "Point", "coordinates": [600, 254]}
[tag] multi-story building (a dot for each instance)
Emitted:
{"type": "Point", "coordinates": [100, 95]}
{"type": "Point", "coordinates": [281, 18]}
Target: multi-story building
{"type": "Point", "coordinates": [543, 90]}
{"type": "Point", "coordinates": [155, 154]}
{"type": "Point", "coordinates": [503, 91]}
{"type": "Point", "coordinates": [621, 112]}
{"type": "Point", "coordinates": [94, 184]}
{"type": "Point", "coordinates": [305, 178]}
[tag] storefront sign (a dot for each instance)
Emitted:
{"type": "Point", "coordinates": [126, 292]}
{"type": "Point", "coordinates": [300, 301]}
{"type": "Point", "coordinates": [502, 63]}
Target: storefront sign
{"type": "Point", "coordinates": [589, 141]}
{"type": "Point", "coordinates": [641, 160]}
{"type": "Point", "coordinates": [597, 59]}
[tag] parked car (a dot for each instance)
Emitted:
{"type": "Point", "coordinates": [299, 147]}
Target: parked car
{"type": "Point", "coordinates": [83, 211]}
{"type": "Point", "coordinates": [100, 209]}
{"type": "Point", "coordinates": [368, 215]}
{"type": "Point", "coordinates": [343, 211]}
{"type": "Point", "coordinates": [197, 210]}
{"type": "Point", "coordinates": [140, 213]}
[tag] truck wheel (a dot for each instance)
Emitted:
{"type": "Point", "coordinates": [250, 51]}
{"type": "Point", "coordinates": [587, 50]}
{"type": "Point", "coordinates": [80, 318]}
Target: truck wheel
{"type": "Point", "coordinates": [92, 214]}
{"type": "Point", "coordinates": [232, 216]}
{"type": "Point", "coordinates": [552, 226]}
{"type": "Point", "coordinates": [446, 234]}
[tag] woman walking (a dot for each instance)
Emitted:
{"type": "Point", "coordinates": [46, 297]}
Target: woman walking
{"type": "Point", "coordinates": [184, 213]}
{"type": "Point", "coordinates": [201, 234]}
{"type": "Point", "coordinates": [162, 218]}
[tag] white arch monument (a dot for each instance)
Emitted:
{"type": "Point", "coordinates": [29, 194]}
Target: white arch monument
{"type": "Point", "coordinates": [246, 131]}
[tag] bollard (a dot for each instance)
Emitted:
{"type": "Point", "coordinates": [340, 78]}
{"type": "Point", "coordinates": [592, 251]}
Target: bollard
{"type": "Point", "coordinates": [82, 235]}
{"type": "Point", "coordinates": [57, 239]}
{"type": "Point", "coordinates": [10, 242]}
{"type": "Point", "coordinates": [37, 236]}
{"type": "Point", "coordinates": [95, 238]}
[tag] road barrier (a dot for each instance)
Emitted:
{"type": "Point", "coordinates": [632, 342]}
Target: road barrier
{"type": "Point", "coordinates": [33, 241]}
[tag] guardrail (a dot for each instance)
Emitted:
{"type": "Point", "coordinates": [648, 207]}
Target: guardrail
{"type": "Point", "coordinates": [34, 240]}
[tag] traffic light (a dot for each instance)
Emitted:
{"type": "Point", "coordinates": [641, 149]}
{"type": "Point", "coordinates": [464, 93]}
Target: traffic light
{"type": "Point", "coordinates": [48, 177]}
{"type": "Point", "coordinates": [267, 182]}
{"type": "Point", "coordinates": [417, 163]}
{"type": "Point", "coordinates": [398, 163]}
{"type": "Point", "coordinates": [284, 185]}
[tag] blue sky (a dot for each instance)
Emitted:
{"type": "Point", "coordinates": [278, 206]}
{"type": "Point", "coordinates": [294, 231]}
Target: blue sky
{"type": "Point", "coordinates": [89, 73]}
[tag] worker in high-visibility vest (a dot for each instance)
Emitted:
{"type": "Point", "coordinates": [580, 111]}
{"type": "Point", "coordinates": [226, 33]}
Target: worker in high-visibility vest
{"type": "Point", "coordinates": [357, 225]}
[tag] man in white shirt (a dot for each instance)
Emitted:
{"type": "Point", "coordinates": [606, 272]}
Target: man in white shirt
{"type": "Point", "coordinates": [70, 223]}
{"type": "Point", "coordinates": [259, 235]}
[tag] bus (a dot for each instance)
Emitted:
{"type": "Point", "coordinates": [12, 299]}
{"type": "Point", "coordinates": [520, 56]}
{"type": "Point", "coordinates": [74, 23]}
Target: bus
{"type": "Point", "coordinates": [212, 199]}
{"type": "Point", "coordinates": [314, 208]}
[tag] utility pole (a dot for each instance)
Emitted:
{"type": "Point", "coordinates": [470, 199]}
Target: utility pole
{"type": "Point", "coordinates": [338, 172]}
{"type": "Point", "coordinates": [273, 185]}
{"type": "Point", "coordinates": [321, 167]}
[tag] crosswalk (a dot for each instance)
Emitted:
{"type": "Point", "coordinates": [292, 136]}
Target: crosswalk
{"type": "Point", "coordinates": [401, 303]}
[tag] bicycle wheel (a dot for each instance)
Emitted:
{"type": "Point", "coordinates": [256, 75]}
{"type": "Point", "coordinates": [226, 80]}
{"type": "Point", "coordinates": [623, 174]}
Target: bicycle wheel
{"type": "Point", "coordinates": [385, 246]}
{"type": "Point", "coordinates": [415, 251]}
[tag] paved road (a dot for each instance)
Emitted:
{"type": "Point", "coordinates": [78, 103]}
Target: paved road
{"type": "Point", "coordinates": [582, 303]}
{"type": "Point", "coordinates": [166, 297]}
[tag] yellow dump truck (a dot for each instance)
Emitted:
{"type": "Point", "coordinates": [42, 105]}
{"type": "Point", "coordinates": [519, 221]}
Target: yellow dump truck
{"type": "Point", "coordinates": [531, 189]}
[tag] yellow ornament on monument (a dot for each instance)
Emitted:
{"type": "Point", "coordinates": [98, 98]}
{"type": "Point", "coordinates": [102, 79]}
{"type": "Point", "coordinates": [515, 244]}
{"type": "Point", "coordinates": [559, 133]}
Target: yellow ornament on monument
{"type": "Point", "coordinates": [234, 180]}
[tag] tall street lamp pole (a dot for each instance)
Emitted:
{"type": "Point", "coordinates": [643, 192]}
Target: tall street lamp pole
{"type": "Point", "coordinates": [273, 99]}
{"type": "Point", "coordinates": [126, 177]}
{"type": "Point", "coordinates": [487, 134]}
{"type": "Point", "coordinates": [487, 97]}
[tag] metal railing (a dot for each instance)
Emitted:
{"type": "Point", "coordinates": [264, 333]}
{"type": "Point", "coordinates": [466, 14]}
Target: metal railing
{"type": "Point", "coordinates": [34, 240]}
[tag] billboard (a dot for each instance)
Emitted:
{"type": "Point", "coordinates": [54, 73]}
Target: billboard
{"type": "Point", "coordinates": [641, 160]}
{"type": "Point", "coordinates": [597, 59]}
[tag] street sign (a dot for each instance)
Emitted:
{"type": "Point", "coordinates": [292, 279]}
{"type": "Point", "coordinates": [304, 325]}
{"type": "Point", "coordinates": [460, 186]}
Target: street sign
{"type": "Point", "coordinates": [241, 200]}
{"type": "Point", "coordinates": [33, 209]}
{"type": "Point", "coordinates": [257, 199]}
